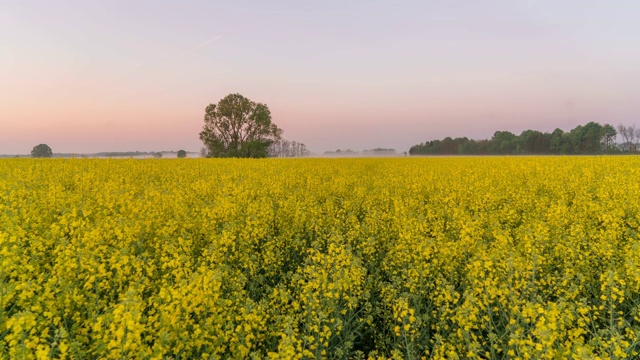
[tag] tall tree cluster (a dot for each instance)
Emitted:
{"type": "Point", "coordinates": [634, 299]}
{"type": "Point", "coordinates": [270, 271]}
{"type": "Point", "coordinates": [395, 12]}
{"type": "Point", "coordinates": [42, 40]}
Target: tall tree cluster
{"type": "Point", "coordinates": [592, 138]}
{"type": "Point", "coordinates": [239, 127]}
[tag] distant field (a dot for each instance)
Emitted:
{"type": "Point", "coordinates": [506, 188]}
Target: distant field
{"type": "Point", "coordinates": [488, 257]}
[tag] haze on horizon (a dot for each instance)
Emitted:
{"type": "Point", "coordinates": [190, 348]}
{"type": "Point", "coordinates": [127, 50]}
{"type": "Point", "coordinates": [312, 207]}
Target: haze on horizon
{"type": "Point", "coordinates": [89, 76]}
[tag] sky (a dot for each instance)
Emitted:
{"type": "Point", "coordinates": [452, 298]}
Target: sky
{"type": "Point", "coordinates": [87, 76]}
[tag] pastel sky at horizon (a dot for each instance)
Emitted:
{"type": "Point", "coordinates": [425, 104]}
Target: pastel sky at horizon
{"type": "Point", "coordinates": [87, 76]}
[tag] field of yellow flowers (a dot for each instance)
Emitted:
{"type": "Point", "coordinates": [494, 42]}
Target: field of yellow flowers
{"type": "Point", "coordinates": [505, 257]}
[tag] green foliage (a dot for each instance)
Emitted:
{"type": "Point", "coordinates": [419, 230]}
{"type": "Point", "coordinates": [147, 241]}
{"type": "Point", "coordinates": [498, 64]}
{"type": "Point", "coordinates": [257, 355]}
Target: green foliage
{"type": "Point", "coordinates": [182, 154]}
{"type": "Point", "coordinates": [41, 151]}
{"type": "Point", "coordinates": [592, 138]}
{"type": "Point", "coordinates": [238, 127]}
{"type": "Point", "coordinates": [608, 138]}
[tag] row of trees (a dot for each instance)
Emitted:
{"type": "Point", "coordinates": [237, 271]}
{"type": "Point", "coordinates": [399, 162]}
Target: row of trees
{"type": "Point", "coordinates": [374, 152]}
{"type": "Point", "coordinates": [379, 151]}
{"type": "Point", "coordinates": [181, 154]}
{"type": "Point", "coordinates": [592, 138]}
{"type": "Point", "coordinates": [286, 148]}
{"type": "Point", "coordinates": [44, 151]}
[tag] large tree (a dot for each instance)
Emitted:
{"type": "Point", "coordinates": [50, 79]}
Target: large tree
{"type": "Point", "coordinates": [560, 142]}
{"type": "Point", "coordinates": [238, 127]}
{"type": "Point", "coordinates": [504, 142]}
{"type": "Point", "coordinates": [587, 139]}
{"type": "Point", "coordinates": [41, 151]}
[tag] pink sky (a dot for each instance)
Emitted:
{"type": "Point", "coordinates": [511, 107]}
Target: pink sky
{"type": "Point", "coordinates": [90, 76]}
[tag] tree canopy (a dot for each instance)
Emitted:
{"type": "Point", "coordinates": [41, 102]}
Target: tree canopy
{"type": "Point", "coordinates": [238, 127]}
{"type": "Point", "coordinates": [41, 151]}
{"type": "Point", "coordinates": [592, 138]}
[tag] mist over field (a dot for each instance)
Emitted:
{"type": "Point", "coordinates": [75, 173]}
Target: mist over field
{"type": "Point", "coordinates": [87, 77]}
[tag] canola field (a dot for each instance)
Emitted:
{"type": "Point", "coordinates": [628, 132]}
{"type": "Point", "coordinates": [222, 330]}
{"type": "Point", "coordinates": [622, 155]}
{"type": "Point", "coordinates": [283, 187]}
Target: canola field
{"type": "Point", "coordinates": [405, 258]}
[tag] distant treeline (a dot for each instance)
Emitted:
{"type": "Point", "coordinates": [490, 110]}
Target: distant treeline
{"type": "Point", "coordinates": [592, 138]}
{"type": "Point", "coordinates": [380, 151]}
{"type": "Point", "coordinates": [286, 148]}
{"type": "Point", "coordinates": [339, 152]}
{"type": "Point", "coordinates": [349, 152]}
